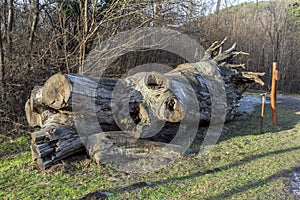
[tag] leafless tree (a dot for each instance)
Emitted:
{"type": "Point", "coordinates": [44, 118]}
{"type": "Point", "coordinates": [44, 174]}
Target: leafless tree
{"type": "Point", "coordinates": [10, 22]}
{"type": "Point", "coordinates": [2, 70]}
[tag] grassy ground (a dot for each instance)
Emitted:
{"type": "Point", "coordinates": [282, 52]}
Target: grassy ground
{"type": "Point", "coordinates": [245, 164]}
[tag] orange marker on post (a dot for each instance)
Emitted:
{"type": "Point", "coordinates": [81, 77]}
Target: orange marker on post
{"type": "Point", "coordinates": [273, 93]}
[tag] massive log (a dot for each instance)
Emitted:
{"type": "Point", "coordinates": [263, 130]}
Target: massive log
{"type": "Point", "coordinates": [150, 106]}
{"type": "Point", "coordinates": [61, 93]}
{"type": "Point", "coordinates": [153, 96]}
{"type": "Point", "coordinates": [85, 95]}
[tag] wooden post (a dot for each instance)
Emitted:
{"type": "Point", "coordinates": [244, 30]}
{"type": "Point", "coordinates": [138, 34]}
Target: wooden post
{"type": "Point", "coordinates": [262, 111]}
{"type": "Point", "coordinates": [273, 93]}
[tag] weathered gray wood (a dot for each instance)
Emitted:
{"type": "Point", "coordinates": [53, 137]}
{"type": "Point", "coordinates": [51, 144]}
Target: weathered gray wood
{"type": "Point", "coordinates": [90, 95]}
{"type": "Point", "coordinates": [54, 143]}
{"type": "Point", "coordinates": [60, 88]}
{"type": "Point", "coordinates": [127, 153]}
{"type": "Point", "coordinates": [62, 118]}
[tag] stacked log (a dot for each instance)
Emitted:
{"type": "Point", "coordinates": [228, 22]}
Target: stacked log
{"type": "Point", "coordinates": [127, 124]}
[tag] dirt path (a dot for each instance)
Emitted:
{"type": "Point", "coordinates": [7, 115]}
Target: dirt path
{"type": "Point", "coordinates": [292, 103]}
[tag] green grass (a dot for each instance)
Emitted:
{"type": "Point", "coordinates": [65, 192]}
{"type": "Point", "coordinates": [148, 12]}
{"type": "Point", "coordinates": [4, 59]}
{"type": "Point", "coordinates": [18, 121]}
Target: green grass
{"type": "Point", "coordinates": [245, 164]}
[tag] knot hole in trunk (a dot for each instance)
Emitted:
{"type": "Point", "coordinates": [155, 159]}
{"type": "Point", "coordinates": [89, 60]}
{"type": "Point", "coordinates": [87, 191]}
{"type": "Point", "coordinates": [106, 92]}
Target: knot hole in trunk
{"type": "Point", "coordinates": [156, 81]}
{"type": "Point", "coordinates": [171, 104]}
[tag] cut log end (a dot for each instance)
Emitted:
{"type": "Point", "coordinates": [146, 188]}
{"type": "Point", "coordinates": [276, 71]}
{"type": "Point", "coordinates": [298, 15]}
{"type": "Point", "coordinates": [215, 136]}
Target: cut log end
{"type": "Point", "coordinates": [34, 119]}
{"type": "Point", "coordinates": [57, 91]}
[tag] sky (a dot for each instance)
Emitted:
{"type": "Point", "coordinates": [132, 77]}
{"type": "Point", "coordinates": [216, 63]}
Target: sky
{"type": "Point", "coordinates": [228, 3]}
{"type": "Point", "coordinates": [224, 4]}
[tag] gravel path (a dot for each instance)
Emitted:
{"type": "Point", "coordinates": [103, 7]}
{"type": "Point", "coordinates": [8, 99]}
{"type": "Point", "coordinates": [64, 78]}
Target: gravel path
{"type": "Point", "coordinates": [247, 103]}
{"type": "Point", "coordinates": [295, 183]}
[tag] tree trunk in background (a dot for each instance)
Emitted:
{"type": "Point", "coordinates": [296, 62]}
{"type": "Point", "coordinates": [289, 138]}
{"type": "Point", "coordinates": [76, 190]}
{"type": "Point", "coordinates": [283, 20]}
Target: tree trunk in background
{"type": "Point", "coordinates": [84, 35]}
{"type": "Point", "coordinates": [217, 12]}
{"type": "Point", "coordinates": [36, 11]}
{"type": "Point", "coordinates": [10, 22]}
{"type": "Point", "coordinates": [2, 70]}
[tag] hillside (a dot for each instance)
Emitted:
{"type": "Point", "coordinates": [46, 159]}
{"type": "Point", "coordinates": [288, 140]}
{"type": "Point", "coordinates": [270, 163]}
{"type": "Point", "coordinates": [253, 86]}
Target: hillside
{"type": "Point", "coordinates": [269, 31]}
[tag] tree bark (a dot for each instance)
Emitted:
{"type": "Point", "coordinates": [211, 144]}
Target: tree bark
{"type": "Point", "coordinates": [2, 69]}
{"type": "Point", "coordinates": [10, 23]}
{"type": "Point", "coordinates": [36, 11]}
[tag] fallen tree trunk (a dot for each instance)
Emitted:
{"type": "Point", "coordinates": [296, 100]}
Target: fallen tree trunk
{"type": "Point", "coordinates": [156, 97]}
{"type": "Point", "coordinates": [146, 105]}
{"type": "Point", "coordinates": [59, 92]}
